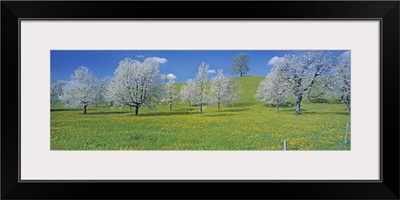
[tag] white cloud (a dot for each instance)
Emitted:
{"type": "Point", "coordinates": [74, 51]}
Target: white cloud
{"type": "Point", "coordinates": [168, 76]}
{"type": "Point", "coordinates": [273, 60]}
{"type": "Point", "coordinates": [63, 81]}
{"type": "Point", "coordinates": [211, 71]}
{"type": "Point", "coordinates": [140, 56]}
{"type": "Point", "coordinates": [346, 54]}
{"type": "Point", "coordinates": [157, 59]}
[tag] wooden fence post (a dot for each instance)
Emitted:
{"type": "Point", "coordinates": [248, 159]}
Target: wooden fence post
{"type": "Point", "coordinates": [284, 145]}
{"type": "Point", "coordinates": [345, 134]}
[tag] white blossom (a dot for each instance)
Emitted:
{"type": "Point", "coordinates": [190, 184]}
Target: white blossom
{"type": "Point", "coordinates": [134, 83]}
{"type": "Point", "coordinates": [273, 89]}
{"type": "Point", "coordinates": [169, 92]}
{"type": "Point", "coordinates": [101, 94]}
{"type": "Point", "coordinates": [342, 85]}
{"type": "Point", "coordinates": [197, 91]}
{"type": "Point", "coordinates": [223, 90]}
{"type": "Point", "coordinates": [188, 92]}
{"type": "Point", "coordinates": [302, 69]}
{"type": "Point", "coordinates": [82, 90]}
{"type": "Point", "coordinates": [56, 90]}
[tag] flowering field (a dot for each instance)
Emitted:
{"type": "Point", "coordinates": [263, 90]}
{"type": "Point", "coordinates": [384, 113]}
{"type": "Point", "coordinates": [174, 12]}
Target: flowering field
{"type": "Point", "coordinates": [246, 125]}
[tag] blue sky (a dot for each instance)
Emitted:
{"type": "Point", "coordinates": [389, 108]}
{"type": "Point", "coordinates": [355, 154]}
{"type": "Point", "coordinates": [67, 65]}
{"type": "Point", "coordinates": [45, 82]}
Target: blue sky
{"type": "Point", "coordinates": [182, 63]}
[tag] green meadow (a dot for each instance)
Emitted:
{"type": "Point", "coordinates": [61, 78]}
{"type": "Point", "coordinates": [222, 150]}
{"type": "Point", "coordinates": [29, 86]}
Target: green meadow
{"type": "Point", "coordinates": [247, 124]}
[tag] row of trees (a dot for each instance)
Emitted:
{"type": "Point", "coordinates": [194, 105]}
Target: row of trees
{"type": "Point", "coordinates": [299, 72]}
{"type": "Point", "coordinates": [202, 92]}
{"type": "Point", "coordinates": [137, 84]}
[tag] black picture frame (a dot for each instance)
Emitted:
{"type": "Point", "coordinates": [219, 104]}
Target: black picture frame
{"type": "Point", "coordinates": [386, 11]}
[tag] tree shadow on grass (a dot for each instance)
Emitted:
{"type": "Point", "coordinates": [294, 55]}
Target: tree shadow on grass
{"type": "Point", "coordinates": [165, 113]}
{"type": "Point", "coordinates": [219, 115]}
{"type": "Point", "coordinates": [62, 109]}
{"type": "Point", "coordinates": [107, 113]}
{"type": "Point", "coordinates": [187, 109]}
{"type": "Point", "coordinates": [326, 113]}
{"type": "Point", "coordinates": [234, 110]}
{"type": "Point", "coordinates": [242, 104]}
{"type": "Point", "coordinates": [305, 112]}
{"type": "Point", "coordinates": [289, 110]}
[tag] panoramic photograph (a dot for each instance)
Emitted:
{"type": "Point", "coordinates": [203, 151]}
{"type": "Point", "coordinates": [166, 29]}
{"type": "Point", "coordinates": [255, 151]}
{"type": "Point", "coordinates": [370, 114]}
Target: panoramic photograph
{"type": "Point", "coordinates": [284, 100]}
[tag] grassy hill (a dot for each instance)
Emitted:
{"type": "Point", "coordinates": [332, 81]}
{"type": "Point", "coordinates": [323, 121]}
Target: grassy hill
{"type": "Point", "coordinates": [248, 87]}
{"type": "Point", "coordinates": [246, 125]}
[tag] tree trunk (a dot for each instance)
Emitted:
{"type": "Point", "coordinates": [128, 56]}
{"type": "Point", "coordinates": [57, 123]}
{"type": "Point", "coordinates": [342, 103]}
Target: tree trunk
{"type": "Point", "coordinates": [137, 110]}
{"type": "Point", "coordinates": [241, 73]}
{"type": "Point", "coordinates": [130, 107]}
{"type": "Point", "coordinates": [84, 109]}
{"type": "Point", "coordinates": [201, 110]}
{"type": "Point", "coordinates": [277, 106]}
{"type": "Point", "coordinates": [308, 95]}
{"type": "Point", "coordinates": [298, 101]}
{"type": "Point", "coordinates": [111, 103]}
{"type": "Point", "coordinates": [170, 105]}
{"type": "Point", "coordinates": [219, 106]}
{"type": "Point", "coordinates": [348, 106]}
